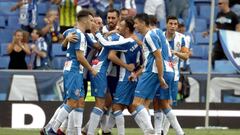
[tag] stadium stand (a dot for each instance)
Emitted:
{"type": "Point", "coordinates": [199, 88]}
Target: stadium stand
{"type": "Point", "coordinates": [9, 23]}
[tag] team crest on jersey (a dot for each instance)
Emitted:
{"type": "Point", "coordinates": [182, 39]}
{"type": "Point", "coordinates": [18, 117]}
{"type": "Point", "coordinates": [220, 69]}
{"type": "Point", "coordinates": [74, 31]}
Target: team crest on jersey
{"type": "Point", "coordinates": [77, 92]}
{"type": "Point", "coordinates": [178, 44]}
{"type": "Point", "coordinates": [95, 61]}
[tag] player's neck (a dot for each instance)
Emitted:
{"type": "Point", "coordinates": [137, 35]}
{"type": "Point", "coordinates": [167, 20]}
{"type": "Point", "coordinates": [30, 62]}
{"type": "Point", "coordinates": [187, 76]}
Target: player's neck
{"type": "Point", "coordinates": [145, 31]}
{"type": "Point", "coordinates": [170, 35]}
{"type": "Point", "coordinates": [127, 34]}
{"type": "Point", "coordinates": [81, 28]}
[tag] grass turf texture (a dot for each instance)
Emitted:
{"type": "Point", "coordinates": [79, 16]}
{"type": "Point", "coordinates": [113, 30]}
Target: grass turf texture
{"type": "Point", "coordinates": [129, 131]}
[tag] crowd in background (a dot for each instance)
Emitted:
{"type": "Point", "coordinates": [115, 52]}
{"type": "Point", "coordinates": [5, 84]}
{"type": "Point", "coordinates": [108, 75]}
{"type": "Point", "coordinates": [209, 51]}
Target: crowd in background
{"type": "Point", "coordinates": [36, 41]}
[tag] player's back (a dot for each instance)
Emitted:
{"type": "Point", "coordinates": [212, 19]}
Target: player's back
{"type": "Point", "coordinates": [132, 56]}
{"type": "Point", "coordinates": [72, 47]}
{"type": "Point", "coordinates": [166, 50]}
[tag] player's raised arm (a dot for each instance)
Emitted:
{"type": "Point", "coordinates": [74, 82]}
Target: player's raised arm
{"type": "Point", "coordinates": [105, 43]}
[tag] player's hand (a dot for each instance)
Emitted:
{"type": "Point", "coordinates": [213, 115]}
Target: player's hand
{"type": "Point", "coordinates": [163, 84]}
{"type": "Point", "coordinates": [132, 77]}
{"type": "Point", "coordinates": [72, 37]}
{"type": "Point", "coordinates": [173, 52]}
{"type": "Point", "coordinates": [34, 48]}
{"type": "Point", "coordinates": [94, 72]}
{"type": "Point", "coordinates": [130, 67]}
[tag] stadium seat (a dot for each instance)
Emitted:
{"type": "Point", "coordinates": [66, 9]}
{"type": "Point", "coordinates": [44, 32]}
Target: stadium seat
{"type": "Point", "coordinates": [5, 8]}
{"type": "Point", "coordinates": [201, 25]}
{"type": "Point", "coordinates": [3, 49]}
{"type": "Point", "coordinates": [2, 22]}
{"type": "Point", "coordinates": [57, 50]}
{"type": "Point", "coordinates": [58, 62]}
{"type": "Point", "coordinates": [200, 51]}
{"type": "Point", "coordinates": [40, 21]}
{"type": "Point", "coordinates": [199, 65]}
{"type": "Point", "coordinates": [13, 22]}
{"type": "Point", "coordinates": [224, 66]}
{"type": "Point", "coordinates": [204, 11]}
{"type": "Point", "coordinates": [43, 8]}
{"type": "Point", "coordinates": [4, 62]}
{"type": "Point", "coordinates": [199, 39]}
{"type": "Point", "coordinates": [6, 35]}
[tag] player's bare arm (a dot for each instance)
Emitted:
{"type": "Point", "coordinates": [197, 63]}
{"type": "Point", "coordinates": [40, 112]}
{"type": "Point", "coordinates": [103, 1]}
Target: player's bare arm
{"type": "Point", "coordinates": [113, 57]}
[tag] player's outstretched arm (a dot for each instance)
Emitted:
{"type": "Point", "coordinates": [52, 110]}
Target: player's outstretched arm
{"type": "Point", "coordinates": [106, 43]}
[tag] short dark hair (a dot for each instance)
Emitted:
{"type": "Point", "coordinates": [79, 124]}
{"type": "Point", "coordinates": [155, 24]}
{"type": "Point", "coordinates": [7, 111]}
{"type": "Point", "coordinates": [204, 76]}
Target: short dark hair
{"type": "Point", "coordinates": [143, 17]}
{"type": "Point", "coordinates": [129, 23]}
{"type": "Point", "coordinates": [114, 10]}
{"type": "Point", "coordinates": [38, 32]}
{"type": "Point", "coordinates": [123, 9]}
{"type": "Point", "coordinates": [84, 13]}
{"type": "Point", "coordinates": [172, 18]}
{"type": "Point", "coordinates": [153, 20]}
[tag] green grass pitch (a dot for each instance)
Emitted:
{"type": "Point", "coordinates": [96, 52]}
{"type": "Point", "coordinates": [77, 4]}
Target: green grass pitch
{"type": "Point", "coordinates": [130, 131]}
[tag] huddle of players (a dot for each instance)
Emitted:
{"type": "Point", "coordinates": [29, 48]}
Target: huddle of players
{"type": "Point", "coordinates": [147, 70]}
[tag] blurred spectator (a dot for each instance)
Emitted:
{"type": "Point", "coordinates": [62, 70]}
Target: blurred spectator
{"type": "Point", "coordinates": [131, 6]}
{"type": "Point", "coordinates": [102, 6]}
{"type": "Point", "coordinates": [235, 7]}
{"type": "Point", "coordinates": [157, 8]}
{"type": "Point", "coordinates": [177, 8]}
{"type": "Point", "coordinates": [124, 13]}
{"type": "Point", "coordinates": [67, 9]}
{"type": "Point", "coordinates": [17, 51]}
{"type": "Point", "coordinates": [28, 14]}
{"type": "Point", "coordinates": [227, 20]}
{"type": "Point", "coordinates": [185, 65]}
{"type": "Point", "coordinates": [51, 31]}
{"type": "Point", "coordinates": [98, 20]}
{"type": "Point", "coordinates": [39, 57]}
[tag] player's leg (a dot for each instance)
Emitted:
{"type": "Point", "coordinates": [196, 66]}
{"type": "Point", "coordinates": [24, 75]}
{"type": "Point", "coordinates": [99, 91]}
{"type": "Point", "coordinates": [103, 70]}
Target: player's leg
{"type": "Point", "coordinates": [96, 115]}
{"type": "Point", "coordinates": [98, 90]}
{"type": "Point", "coordinates": [165, 103]}
{"type": "Point", "coordinates": [74, 84]}
{"type": "Point", "coordinates": [78, 116]}
{"type": "Point", "coordinates": [158, 117]}
{"type": "Point", "coordinates": [119, 118]}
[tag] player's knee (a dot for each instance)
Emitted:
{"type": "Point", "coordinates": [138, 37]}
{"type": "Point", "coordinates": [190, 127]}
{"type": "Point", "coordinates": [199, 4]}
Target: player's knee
{"type": "Point", "coordinates": [117, 107]}
{"type": "Point", "coordinates": [72, 103]}
{"type": "Point", "coordinates": [81, 103]}
{"type": "Point", "coordinates": [100, 103]}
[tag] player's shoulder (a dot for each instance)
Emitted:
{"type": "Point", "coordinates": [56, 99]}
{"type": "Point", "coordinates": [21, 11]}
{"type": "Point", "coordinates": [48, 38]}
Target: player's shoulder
{"type": "Point", "coordinates": [151, 34]}
{"type": "Point", "coordinates": [68, 31]}
{"type": "Point", "coordinates": [177, 34]}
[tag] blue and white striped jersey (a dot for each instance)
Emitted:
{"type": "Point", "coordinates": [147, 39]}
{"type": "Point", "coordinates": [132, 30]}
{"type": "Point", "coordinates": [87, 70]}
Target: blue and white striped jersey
{"type": "Point", "coordinates": [132, 56]}
{"type": "Point", "coordinates": [151, 43]}
{"type": "Point", "coordinates": [166, 51]}
{"type": "Point", "coordinates": [101, 63]}
{"type": "Point", "coordinates": [81, 45]}
{"type": "Point", "coordinates": [176, 44]}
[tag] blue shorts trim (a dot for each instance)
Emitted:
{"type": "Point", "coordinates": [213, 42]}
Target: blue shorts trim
{"type": "Point", "coordinates": [99, 85]}
{"type": "Point", "coordinates": [124, 93]}
{"type": "Point", "coordinates": [73, 83]}
{"type": "Point", "coordinates": [147, 85]}
{"type": "Point", "coordinates": [174, 93]}
{"type": "Point", "coordinates": [166, 94]}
